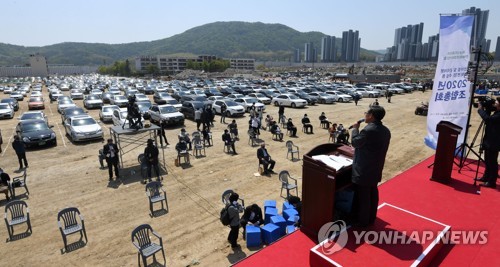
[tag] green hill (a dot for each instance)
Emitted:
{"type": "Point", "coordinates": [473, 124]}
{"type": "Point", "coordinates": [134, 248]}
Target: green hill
{"type": "Point", "coordinates": [224, 39]}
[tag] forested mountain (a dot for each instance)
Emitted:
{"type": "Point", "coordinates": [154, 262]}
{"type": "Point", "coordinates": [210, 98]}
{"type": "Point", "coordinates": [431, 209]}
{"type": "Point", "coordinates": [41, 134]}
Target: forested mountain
{"type": "Point", "coordinates": [224, 39]}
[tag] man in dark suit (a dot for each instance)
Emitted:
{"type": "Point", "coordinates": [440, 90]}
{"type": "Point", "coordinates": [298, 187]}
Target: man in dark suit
{"type": "Point", "coordinates": [265, 159]}
{"type": "Point", "coordinates": [491, 143]}
{"type": "Point", "coordinates": [291, 128]}
{"type": "Point", "coordinates": [111, 152]}
{"type": "Point", "coordinates": [306, 123]}
{"type": "Point", "coordinates": [228, 141]}
{"type": "Point", "coordinates": [151, 155]}
{"type": "Point", "coordinates": [371, 145]}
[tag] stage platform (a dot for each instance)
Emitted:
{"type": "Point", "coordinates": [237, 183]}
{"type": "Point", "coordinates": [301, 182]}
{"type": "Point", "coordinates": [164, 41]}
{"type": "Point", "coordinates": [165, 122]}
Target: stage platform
{"type": "Point", "coordinates": [465, 208]}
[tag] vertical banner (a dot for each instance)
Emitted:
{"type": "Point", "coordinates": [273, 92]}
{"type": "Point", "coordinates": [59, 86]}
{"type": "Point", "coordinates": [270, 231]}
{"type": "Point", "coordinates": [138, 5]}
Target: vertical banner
{"type": "Point", "coordinates": [451, 91]}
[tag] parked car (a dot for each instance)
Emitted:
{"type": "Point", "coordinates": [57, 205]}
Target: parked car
{"type": "Point", "coordinates": [76, 94]}
{"type": "Point", "coordinates": [119, 117]}
{"type": "Point", "coordinates": [214, 98]}
{"type": "Point", "coordinates": [36, 132]}
{"type": "Point", "coordinates": [13, 103]}
{"type": "Point", "coordinates": [339, 96]}
{"type": "Point", "coordinates": [71, 112]}
{"type": "Point", "coordinates": [106, 97]}
{"type": "Point", "coordinates": [119, 100]}
{"type": "Point", "coordinates": [189, 107]}
{"type": "Point", "coordinates": [144, 106]}
{"type": "Point", "coordinates": [64, 103]}
{"type": "Point", "coordinates": [17, 95]}
{"type": "Point", "coordinates": [234, 96]}
{"type": "Point", "coordinates": [36, 103]}
{"type": "Point", "coordinates": [269, 93]}
{"type": "Point", "coordinates": [289, 100]}
{"type": "Point", "coordinates": [141, 97]}
{"type": "Point", "coordinates": [106, 113]}
{"type": "Point", "coordinates": [160, 98]}
{"type": "Point", "coordinates": [33, 115]}
{"type": "Point", "coordinates": [92, 101]}
{"type": "Point", "coordinates": [323, 98]}
{"type": "Point", "coordinates": [311, 100]}
{"type": "Point", "coordinates": [367, 93]}
{"type": "Point", "coordinates": [165, 113]}
{"type": "Point", "coordinates": [83, 127]}
{"type": "Point", "coordinates": [6, 111]}
{"type": "Point", "coordinates": [248, 102]}
{"type": "Point", "coordinates": [232, 108]}
{"type": "Point", "coordinates": [212, 92]}
{"type": "Point", "coordinates": [261, 97]}
{"type": "Point", "coordinates": [227, 91]}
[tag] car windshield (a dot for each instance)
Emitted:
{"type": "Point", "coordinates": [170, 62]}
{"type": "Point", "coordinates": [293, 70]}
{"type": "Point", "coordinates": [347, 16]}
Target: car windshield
{"type": "Point", "coordinates": [120, 97]}
{"type": "Point", "coordinates": [323, 94]}
{"type": "Point", "coordinates": [65, 101]}
{"type": "Point", "coordinates": [93, 97]}
{"type": "Point", "coordinates": [163, 95]}
{"type": "Point", "coordinates": [252, 100]}
{"type": "Point", "coordinates": [172, 101]}
{"type": "Point", "coordinates": [78, 111]}
{"type": "Point", "coordinates": [200, 98]}
{"type": "Point", "coordinates": [31, 116]}
{"type": "Point", "coordinates": [107, 109]}
{"type": "Point", "coordinates": [83, 122]}
{"type": "Point", "coordinates": [36, 99]}
{"type": "Point", "coordinates": [8, 100]}
{"type": "Point", "coordinates": [33, 127]}
{"type": "Point", "coordinates": [167, 109]}
{"type": "Point", "coordinates": [231, 104]}
{"type": "Point", "coordinates": [4, 106]}
{"type": "Point", "coordinates": [293, 97]}
{"type": "Point", "coordinates": [144, 105]}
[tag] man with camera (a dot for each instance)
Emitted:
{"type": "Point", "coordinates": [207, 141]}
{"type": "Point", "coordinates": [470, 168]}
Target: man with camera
{"type": "Point", "coordinates": [491, 140]}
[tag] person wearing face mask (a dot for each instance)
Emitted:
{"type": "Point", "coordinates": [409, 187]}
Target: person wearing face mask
{"type": "Point", "coordinates": [234, 210]}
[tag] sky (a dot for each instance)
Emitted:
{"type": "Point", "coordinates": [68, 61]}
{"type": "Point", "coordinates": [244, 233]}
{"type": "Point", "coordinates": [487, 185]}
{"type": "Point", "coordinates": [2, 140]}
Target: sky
{"type": "Point", "coordinates": [41, 23]}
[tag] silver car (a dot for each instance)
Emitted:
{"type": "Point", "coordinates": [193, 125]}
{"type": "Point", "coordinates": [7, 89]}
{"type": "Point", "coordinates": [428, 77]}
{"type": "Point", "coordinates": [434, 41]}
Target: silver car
{"type": "Point", "coordinates": [106, 113]}
{"type": "Point", "coordinates": [6, 111]}
{"type": "Point", "coordinates": [83, 127]}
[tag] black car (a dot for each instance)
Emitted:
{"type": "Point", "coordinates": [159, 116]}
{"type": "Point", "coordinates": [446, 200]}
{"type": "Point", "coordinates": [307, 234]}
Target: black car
{"type": "Point", "coordinates": [193, 98]}
{"type": "Point", "coordinates": [12, 101]}
{"type": "Point", "coordinates": [311, 100]}
{"type": "Point", "coordinates": [148, 90]}
{"type": "Point", "coordinates": [179, 94]}
{"type": "Point", "coordinates": [161, 98]}
{"type": "Point", "coordinates": [106, 97]}
{"type": "Point", "coordinates": [227, 91]}
{"type": "Point", "coordinates": [212, 92]}
{"type": "Point", "coordinates": [71, 112]}
{"type": "Point", "coordinates": [189, 107]}
{"type": "Point", "coordinates": [36, 133]}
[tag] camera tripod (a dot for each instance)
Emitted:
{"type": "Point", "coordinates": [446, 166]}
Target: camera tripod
{"type": "Point", "coordinates": [463, 156]}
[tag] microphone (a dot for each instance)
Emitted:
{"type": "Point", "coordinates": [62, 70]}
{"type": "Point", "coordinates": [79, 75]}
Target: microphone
{"type": "Point", "coordinates": [358, 122]}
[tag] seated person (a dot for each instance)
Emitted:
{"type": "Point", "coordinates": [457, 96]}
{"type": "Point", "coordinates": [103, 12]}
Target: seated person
{"type": "Point", "coordinates": [4, 183]}
{"type": "Point", "coordinates": [183, 135]}
{"type": "Point", "coordinates": [275, 129]}
{"type": "Point", "coordinates": [291, 128]}
{"type": "Point", "coordinates": [207, 135]}
{"type": "Point", "coordinates": [233, 129]}
{"type": "Point", "coordinates": [269, 121]}
{"type": "Point", "coordinates": [307, 124]}
{"type": "Point", "coordinates": [101, 157]}
{"type": "Point", "coordinates": [181, 148]}
{"type": "Point", "coordinates": [343, 137]}
{"type": "Point", "coordinates": [252, 215]}
{"type": "Point", "coordinates": [228, 141]}
{"type": "Point", "coordinates": [332, 130]}
{"type": "Point", "coordinates": [324, 120]}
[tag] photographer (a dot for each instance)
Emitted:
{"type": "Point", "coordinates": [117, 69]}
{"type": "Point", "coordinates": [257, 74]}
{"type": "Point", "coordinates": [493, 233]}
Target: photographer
{"type": "Point", "coordinates": [491, 140]}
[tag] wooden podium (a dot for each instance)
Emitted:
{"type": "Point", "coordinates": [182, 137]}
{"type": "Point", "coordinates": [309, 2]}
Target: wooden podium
{"type": "Point", "coordinates": [445, 151]}
{"type": "Point", "coordinates": [319, 184]}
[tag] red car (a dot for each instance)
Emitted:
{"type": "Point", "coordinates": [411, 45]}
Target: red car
{"type": "Point", "coordinates": [36, 103]}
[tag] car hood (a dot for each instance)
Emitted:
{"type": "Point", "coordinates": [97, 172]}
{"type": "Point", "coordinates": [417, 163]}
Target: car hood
{"type": "Point", "coordinates": [172, 115]}
{"type": "Point", "coordinates": [86, 128]}
{"type": "Point", "coordinates": [37, 134]}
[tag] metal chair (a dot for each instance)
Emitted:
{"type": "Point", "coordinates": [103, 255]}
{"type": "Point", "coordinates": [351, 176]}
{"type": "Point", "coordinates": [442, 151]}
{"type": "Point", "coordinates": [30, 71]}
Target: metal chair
{"type": "Point", "coordinates": [143, 165]}
{"type": "Point", "coordinates": [156, 193]}
{"type": "Point", "coordinates": [19, 181]}
{"type": "Point", "coordinates": [252, 137]}
{"type": "Point", "coordinates": [284, 177]}
{"type": "Point", "coordinates": [227, 194]}
{"type": "Point", "coordinates": [70, 221]}
{"type": "Point", "coordinates": [198, 145]}
{"type": "Point", "coordinates": [141, 239]}
{"type": "Point", "coordinates": [291, 149]}
{"type": "Point", "coordinates": [16, 213]}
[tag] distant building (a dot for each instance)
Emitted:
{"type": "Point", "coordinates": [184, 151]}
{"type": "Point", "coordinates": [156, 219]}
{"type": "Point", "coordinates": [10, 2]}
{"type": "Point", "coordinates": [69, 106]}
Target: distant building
{"type": "Point", "coordinates": [328, 49]}
{"type": "Point", "coordinates": [350, 46]}
{"type": "Point", "coordinates": [497, 50]}
{"type": "Point", "coordinates": [479, 28]}
{"type": "Point", "coordinates": [39, 66]}
{"type": "Point", "coordinates": [408, 43]}
{"type": "Point", "coordinates": [169, 64]}
{"type": "Point", "coordinates": [309, 52]}
{"type": "Point", "coordinates": [296, 55]}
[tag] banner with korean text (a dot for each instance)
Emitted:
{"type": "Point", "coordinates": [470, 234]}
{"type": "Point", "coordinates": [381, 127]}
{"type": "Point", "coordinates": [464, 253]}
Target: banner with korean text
{"type": "Point", "coordinates": [451, 91]}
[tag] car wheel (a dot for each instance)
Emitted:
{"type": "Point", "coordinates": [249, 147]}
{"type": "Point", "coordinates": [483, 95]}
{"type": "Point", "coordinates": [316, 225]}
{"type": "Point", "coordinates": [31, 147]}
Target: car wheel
{"type": "Point", "coordinates": [341, 100]}
{"type": "Point", "coordinates": [293, 105]}
{"type": "Point", "coordinates": [228, 114]}
{"type": "Point", "coordinates": [276, 103]}
{"type": "Point", "coordinates": [370, 95]}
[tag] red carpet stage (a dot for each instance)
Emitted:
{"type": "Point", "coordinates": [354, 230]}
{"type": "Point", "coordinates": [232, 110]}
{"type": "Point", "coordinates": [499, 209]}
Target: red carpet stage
{"type": "Point", "coordinates": [414, 204]}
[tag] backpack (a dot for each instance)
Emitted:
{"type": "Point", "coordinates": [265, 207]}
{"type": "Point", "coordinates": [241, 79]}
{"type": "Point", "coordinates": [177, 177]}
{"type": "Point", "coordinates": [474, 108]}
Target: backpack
{"type": "Point", "coordinates": [224, 216]}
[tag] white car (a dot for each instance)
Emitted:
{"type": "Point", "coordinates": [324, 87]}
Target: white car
{"type": "Point", "coordinates": [106, 113]}
{"type": "Point", "coordinates": [248, 102]}
{"type": "Point", "coordinates": [261, 97]}
{"type": "Point", "coordinates": [119, 100]}
{"type": "Point", "coordinates": [63, 104]}
{"type": "Point", "coordinates": [6, 111]}
{"type": "Point", "coordinates": [92, 101]}
{"type": "Point", "coordinates": [76, 94]}
{"type": "Point", "coordinates": [215, 98]}
{"type": "Point", "coordinates": [339, 96]}
{"type": "Point", "coordinates": [141, 97]}
{"type": "Point", "coordinates": [18, 95]}
{"type": "Point", "coordinates": [119, 117]}
{"type": "Point", "coordinates": [289, 100]}
{"type": "Point", "coordinates": [167, 113]}
{"type": "Point", "coordinates": [367, 93]}
{"type": "Point", "coordinates": [83, 127]}
{"type": "Point", "coordinates": [234, 96]}
{"type": "Point", "coordinates": [232, 108]}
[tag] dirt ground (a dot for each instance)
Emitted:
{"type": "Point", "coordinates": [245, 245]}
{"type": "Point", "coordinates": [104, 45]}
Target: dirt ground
{"type": "Point", "coordinates": [69, 175]}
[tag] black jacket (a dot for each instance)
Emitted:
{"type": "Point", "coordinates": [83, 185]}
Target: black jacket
{"type": "Point", "coordinates": [257, 214]}
{"type": "Point", "coordinates": [491, 139]}
{"type": "Point", "coordinates": [371, 145]}
{"type": "Point", "coordinates": [151, 154]}
{"type": "Point", "coordinates": [105, 150]}
{"type": "Point", "coordinates": [260, 154]}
